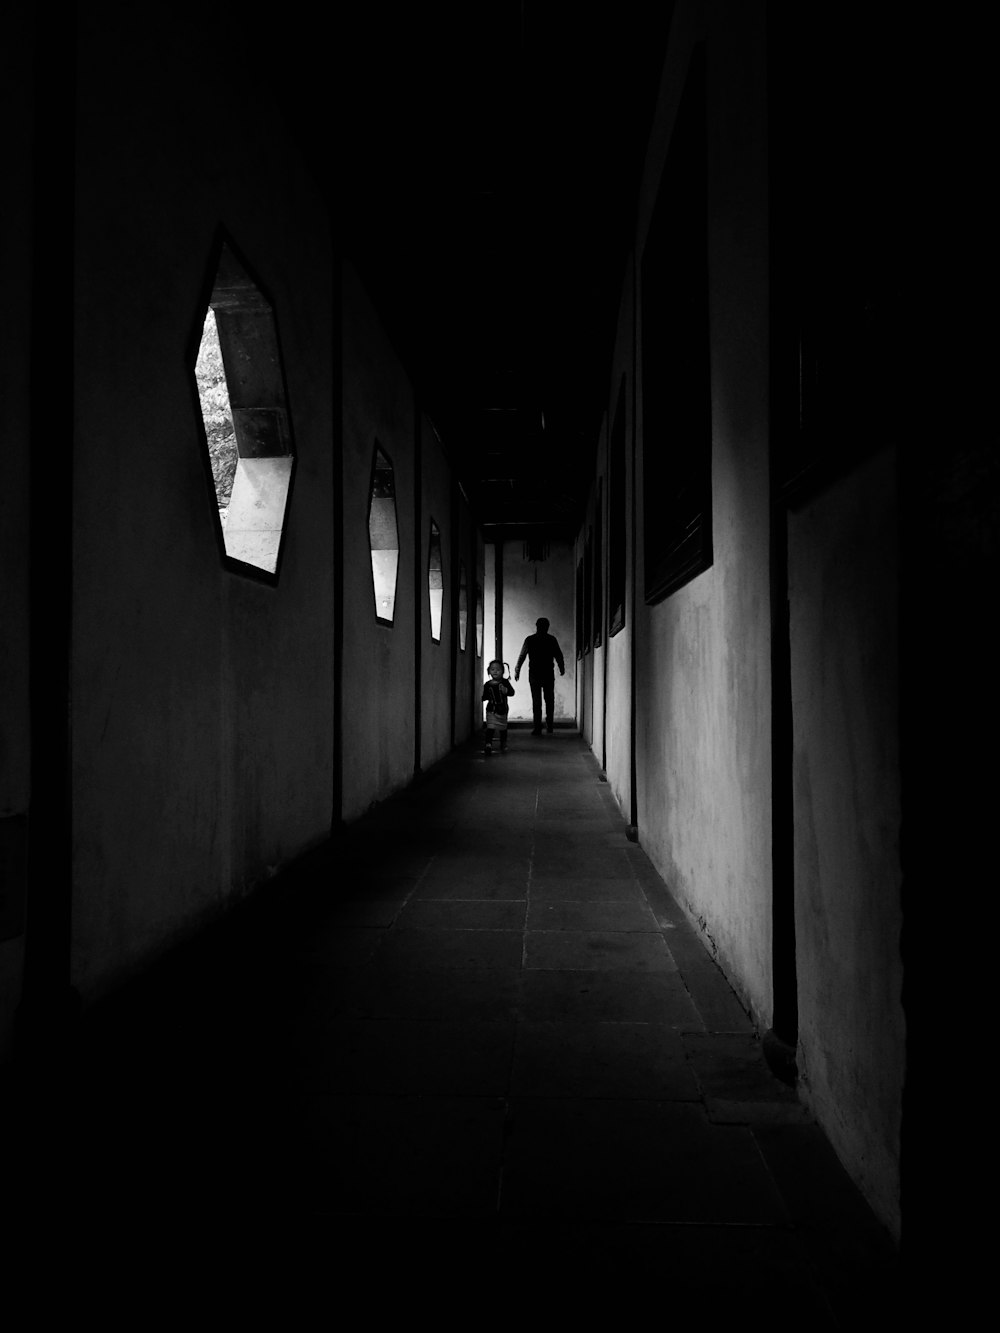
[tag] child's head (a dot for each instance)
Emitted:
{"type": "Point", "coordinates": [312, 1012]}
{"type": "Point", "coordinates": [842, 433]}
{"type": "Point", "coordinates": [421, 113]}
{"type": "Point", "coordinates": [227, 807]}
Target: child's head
{"type": "Point", "coordinates": [495, 669]}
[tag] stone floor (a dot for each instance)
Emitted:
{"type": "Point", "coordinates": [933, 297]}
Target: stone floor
{"type": "Point", "coordinates": [471, 1058]}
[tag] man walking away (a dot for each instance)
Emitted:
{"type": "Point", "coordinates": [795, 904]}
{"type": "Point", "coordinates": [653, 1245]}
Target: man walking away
{"type": "Point", "coordinates": [543, 654]}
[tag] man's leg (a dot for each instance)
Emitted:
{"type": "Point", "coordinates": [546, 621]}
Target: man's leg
{"type": "Point", "coordinates": [550, 703]}
{"type": "Point", "coordinates": [536, 705]}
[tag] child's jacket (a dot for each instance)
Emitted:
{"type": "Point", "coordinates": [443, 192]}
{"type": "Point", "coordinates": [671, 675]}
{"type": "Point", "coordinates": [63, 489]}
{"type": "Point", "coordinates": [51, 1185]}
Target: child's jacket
{"type": "Point", "coordinates": [495, 694]}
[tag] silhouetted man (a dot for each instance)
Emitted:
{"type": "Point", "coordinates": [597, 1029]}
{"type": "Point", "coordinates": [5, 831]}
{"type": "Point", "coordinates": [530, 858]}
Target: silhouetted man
{"type": "Point", "coordinates": [542, 652]}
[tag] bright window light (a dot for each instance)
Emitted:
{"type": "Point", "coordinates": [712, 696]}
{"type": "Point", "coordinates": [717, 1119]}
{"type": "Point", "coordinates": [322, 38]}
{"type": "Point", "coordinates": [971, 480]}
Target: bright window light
{"type": "Point", "coordinates": [383, 535]}
{"type": "Point", "coordinates": [435, 582]}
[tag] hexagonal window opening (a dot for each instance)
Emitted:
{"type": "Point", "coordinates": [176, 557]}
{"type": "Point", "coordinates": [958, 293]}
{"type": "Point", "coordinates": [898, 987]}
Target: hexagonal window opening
{"type": "Point", "coordinates": [435, 582]}
{"type": "Point", "coordinates": [383, 535]}
{"type": "Point", "coordinates": [244, 410]}
{"type": "Point", "coordinates": [463, 606]}
{"type": "Point", "coordinates": [479, 620]}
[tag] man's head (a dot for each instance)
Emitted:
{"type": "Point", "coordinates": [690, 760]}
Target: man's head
{"type": "Point", "coordinates": [542, 625]}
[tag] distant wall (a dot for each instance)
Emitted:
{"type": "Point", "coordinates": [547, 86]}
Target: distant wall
{"type": "Point", "coordinates": [531, 589]}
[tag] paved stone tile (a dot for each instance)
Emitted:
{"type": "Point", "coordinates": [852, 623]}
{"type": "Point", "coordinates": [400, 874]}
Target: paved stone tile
{"type": "Point", "coordinates": [498, 949]}
{"type": "Point", "coordinates": [602, 1272]}
{"type": "Point", "coordinates": [582, 889]}
{"type": "Point", "coordinates": [714, 998]}
{"type": "Point", "coordinates": [815, 1186]}
{"type": "Point", "coordinates": [428, 993]}
{"type": "Point", "coordinates": [398, 1056]}
{"type": "Point", "coordinates": [471, 878]}
{"type": "Point", "coordinates": [336, 946]}
{"type": "Point", "coordinates": [554, 914]}
{"type": "Point", "coordinates": [632, 1161]}
{"type": "Point", "coordinates": [515, 858]}
{"type": "Point", "coordinates": [737, 1083]}
{"type": "Point", "coordinates": [637, 997]}
{"type": "Point", "coordinates": [574, 793]}
{"type": "Point", "coordinates": [854, 1255]}
{"type": "Point", "coordinates": [579, 950]}
{"type": "Point", "coordinates": [378, 1077]}
{"type": "Point", "coordinates": [571, 811]}
{"type": "Point", "coordinates": [484, 841]}
{"type": "Point", "coordinates": [588, 862]}
{"type": "Point", "coordinates": [371, 883]}
{"type": "Point", "coordinates": [456, 914]}
{"type": "Point", "coordinates": [404, 1156]}
{"type": "Point", "coordinates": [369, 912]}
{"type": "Point", "coordinates": [619, 1060]}
{"type": "Point", "coordinates": [602, 831]}
{"type": "Point", "coordinates": [387, 863]}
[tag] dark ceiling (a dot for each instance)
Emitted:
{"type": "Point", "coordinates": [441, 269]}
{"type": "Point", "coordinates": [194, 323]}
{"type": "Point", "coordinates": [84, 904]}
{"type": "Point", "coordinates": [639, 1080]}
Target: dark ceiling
{"type": "Point", "coordinates": [490, 155]}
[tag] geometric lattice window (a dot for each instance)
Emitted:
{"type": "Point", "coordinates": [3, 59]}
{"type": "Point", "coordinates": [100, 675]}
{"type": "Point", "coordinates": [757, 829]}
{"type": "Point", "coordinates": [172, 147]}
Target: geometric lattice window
{"type": "Point", "coordinates": [384, 536]}
{"type": "Point", "coordinates": [435, 582]}
{"type": "Point", "coordinates": [463, 606]}
{"type": "Point", "coordinates": [479, 620]}
{"type": "Point", "coordinates": [244, 411]}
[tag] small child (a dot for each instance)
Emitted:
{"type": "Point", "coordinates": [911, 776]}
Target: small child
{"type": "Point", "coordinates": [495, 695]}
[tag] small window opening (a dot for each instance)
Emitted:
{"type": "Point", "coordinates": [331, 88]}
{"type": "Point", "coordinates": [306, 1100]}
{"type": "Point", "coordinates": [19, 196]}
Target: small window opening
{"type": "Point", "coordinates": [216, 413]}
{"type": "Point", "coordinates": [479, 620]}
{"type": "Point", "coordinates": [244, 411]}
{"type": "Point", "coordinates": [435, 582]}
{"type": "Point", "coordinates": [463, 606]}
{"type": "Point", "coordinates": [383, 535]}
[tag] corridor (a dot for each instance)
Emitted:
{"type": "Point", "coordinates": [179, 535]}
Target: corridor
{"type": "Point", "coordinates": [474, 1045]}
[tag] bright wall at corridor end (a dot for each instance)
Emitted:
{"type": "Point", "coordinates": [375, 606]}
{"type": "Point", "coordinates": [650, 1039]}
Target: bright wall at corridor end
{"type": "Point", "coordinates": [533, 588]}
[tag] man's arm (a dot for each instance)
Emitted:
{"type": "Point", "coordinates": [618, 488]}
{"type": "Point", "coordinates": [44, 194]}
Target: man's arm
{"type": "Point", "coordinates": [520, 660]}
{"type": "Point", "coordinates": [557, 654]}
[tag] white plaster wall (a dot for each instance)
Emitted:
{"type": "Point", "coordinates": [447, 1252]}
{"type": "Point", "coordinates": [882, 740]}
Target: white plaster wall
{"type": "Point", "coordinates": [600, 626]}
{"type": "Point", "coordinates": [844, 626]}
{"type": "Point", "coordinates": [597, 702]}
{"type": "Point", "coordinates": [202, 731]}
{"type": "Point", "coordinates": [534, 588]}
{"type": "Point", "coordinates": [703, 654]}
{"type": "Point", "coordinates": [378, 718]}
{"type": "Point", "coordinates": [585, 678]}
{"type": "Point", "coordinates": [618, 689]}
